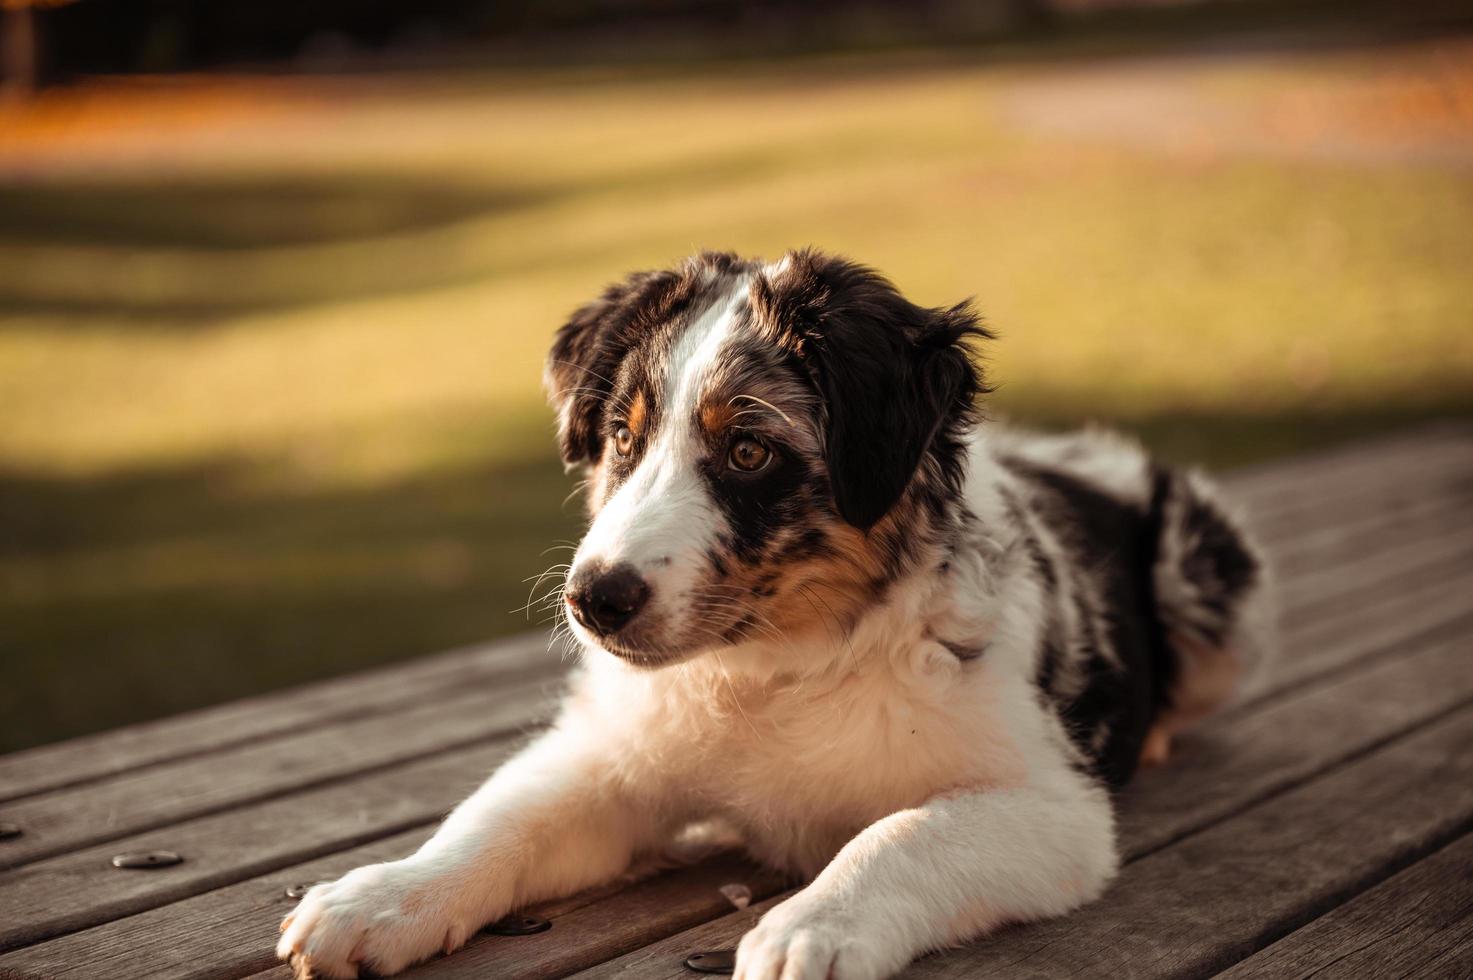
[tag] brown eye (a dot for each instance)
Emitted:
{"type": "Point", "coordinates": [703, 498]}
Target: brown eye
{"type": "Point", "coordinates": [748, 455]}
{"type": "Point", "coordinates": [623, 440]}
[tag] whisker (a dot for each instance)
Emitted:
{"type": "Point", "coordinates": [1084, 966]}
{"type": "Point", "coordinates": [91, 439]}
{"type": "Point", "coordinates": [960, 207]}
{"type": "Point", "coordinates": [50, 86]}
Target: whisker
{"type": "Point", "coordinates": [765, 404]}
{"type": "Point", "coordinates": [578, 488]}
{"type": "Point", "coordinates": [583, 368]}
{"type": "Point", "coordinates": [532, 597]}
{"type": "Point", "coordinates": [843, 633]}
{"type": "Point", "coordinates": [735, 700]}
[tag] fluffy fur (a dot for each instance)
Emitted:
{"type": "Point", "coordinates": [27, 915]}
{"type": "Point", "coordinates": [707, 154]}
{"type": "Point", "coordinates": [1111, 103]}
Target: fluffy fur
{"type": "Point", "coordinates": [906, 659]}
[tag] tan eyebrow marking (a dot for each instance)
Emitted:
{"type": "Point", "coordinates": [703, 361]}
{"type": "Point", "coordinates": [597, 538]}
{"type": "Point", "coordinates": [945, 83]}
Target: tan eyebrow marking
{"type": "Point", "coordinates": [638, 413]}
{"type": "Point", "coordinates": [716, 417]}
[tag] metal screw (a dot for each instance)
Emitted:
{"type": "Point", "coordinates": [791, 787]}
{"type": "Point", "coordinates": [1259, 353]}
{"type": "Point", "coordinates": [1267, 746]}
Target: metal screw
{"type": "Point", "coordinates": [712, 961]}
{"type": "Point", "coordinates": [297, 891]}
{"type": "Point", "coordinates": [142, 860]}
{"type": "Point", "coordinates": [8, 830]}
{"type": "Point", "coordinates": [518, 925]}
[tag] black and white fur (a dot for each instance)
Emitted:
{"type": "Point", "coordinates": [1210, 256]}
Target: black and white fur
{"type": "Point", "coordinates": [905, 659]}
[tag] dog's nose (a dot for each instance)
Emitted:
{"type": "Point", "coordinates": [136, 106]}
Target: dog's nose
{"type": "Point", "coordinates": [605, 600]}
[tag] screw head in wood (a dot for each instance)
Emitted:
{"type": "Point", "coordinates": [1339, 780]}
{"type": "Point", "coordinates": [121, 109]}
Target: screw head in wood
{"type": "Point", "coordinates": [712, 961]}
{"type": "Point", "coordinates": [144, 860]}
{"type": "Point", "coordinates": [8, 830]}
{"type": "Point", "coordinates": [518, 925]}
{"type": "Point", "coordinates": [297, 891]}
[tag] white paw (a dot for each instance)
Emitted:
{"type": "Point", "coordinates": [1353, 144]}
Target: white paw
{"type": "Point", "coordinates": [377, 919]}
{"type": "Point", "coordinates": [810, 940]}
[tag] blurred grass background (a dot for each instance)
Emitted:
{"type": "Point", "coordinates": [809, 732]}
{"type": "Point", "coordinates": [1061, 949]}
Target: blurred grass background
{"type": "Point", "coordinates": [270, 348]}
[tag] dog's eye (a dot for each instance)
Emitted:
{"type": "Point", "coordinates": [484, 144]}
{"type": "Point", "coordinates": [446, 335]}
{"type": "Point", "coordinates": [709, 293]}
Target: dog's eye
{"type": "Point", "coordinates": [748, 455]}
{"type": "Point", "coordinates": [623, 440]}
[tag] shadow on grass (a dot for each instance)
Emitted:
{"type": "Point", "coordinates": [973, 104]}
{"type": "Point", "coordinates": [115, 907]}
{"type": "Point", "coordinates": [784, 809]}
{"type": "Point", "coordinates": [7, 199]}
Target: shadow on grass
{"type": "Point", "coordinates": [143, 594]}
{"type": "Point", "coordinates": [232, 213]}
{"type": "Point", "coordinates": [188, 253]}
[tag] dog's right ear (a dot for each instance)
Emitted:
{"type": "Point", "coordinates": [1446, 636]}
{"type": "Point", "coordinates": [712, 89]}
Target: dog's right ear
{"type": "Point", "coordinates": [586, 354]}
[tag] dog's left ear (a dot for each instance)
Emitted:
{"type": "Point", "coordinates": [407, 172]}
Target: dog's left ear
{"type": "Point", "coordinates": [896, 379]}
{"type": "Point", "coordinates": [585, 356]}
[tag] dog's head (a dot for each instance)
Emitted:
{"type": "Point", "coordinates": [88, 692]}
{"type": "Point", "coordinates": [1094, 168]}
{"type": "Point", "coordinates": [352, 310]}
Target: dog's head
{"type": "Point", "coordinates": [768, 447]}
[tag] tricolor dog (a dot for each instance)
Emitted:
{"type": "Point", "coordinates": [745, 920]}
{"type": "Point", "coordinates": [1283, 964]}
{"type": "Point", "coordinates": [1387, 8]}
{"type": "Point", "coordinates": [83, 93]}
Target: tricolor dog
{"type": "Point", "coordinates": [902, 654]}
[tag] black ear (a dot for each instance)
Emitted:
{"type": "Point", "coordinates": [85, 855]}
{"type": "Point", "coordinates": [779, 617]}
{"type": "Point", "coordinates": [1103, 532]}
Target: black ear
{"type": "Point", "coordinates": [897, 379]}
{"type": "Point", "coordinates": [586, 353]}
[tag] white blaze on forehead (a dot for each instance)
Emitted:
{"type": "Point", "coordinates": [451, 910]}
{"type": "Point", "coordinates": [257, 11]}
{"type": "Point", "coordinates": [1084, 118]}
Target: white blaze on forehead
{"type": "Point", "coordinates": [695, 354]}
{"type": "Point", "coordinates": [662, 519]}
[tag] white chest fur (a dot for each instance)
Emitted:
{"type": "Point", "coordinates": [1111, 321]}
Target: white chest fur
{"type": "Point", "coordinates": [800, 765]}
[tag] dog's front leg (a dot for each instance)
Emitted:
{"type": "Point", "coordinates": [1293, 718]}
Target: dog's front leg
{"type": "Point", "coordinates": [946, 871]}
{"type": "Point", "coordinates": [550, 822]}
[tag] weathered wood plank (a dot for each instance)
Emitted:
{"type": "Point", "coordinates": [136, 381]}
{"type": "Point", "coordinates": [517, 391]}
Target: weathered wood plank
{"type": "Point", "coordinates": [1372, 626]}
{"type": "Point", "coordinates": [1446, 551]}
{"type": "Point", "coordinates": [1213, 898]}
{"type": "Point", "coordinates": [231, 932]}
{"type": "Point", "coordinates": [108, 754]}
{"type": "Point", "coordinates": [1262, 750]}
{"type": "Point", "coordinates": [1307, 548]}
{"type": "Point", "coordinates": [64, 820]}
{"type": "Point", "coordinates": [1396, 512]}
{"type": "Point", "coordinates": [80, 889]}
{"type": "Point", "coordinates": [666, 958]}
{"type": "Point", "coordinates": [1418, 923]}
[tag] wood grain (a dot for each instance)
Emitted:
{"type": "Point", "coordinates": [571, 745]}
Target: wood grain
{"type": "Point", "coordinates": [1407, 565]}
{"type": "Point", "coordinates": [318, 705]}
{"type": "Point", "coordinates": [228, 932]}
{"type": "Point", "coordinates": [81, 889]}
{"type": "Point", "coordinates": [241, 921]}
{"type": "Point", "coordinates": [1418, 923]}
{"type": "Point", "coordinates": [64, 820]}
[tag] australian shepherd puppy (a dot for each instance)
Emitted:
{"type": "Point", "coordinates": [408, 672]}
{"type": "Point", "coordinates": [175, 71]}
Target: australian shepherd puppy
{"type": "Point", "coordinates": [905, 655]}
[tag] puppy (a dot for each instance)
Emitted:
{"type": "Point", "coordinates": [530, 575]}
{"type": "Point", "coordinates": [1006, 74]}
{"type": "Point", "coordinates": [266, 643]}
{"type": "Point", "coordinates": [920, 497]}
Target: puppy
{"type": "Point", "coordinates": [906, 655]}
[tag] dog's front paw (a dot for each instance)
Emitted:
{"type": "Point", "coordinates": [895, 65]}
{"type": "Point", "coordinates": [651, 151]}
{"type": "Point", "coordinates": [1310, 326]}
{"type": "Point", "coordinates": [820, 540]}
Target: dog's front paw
{"type": "Point", "coordinates": [377, 919]}
{"type": "Point", "coordinates": [803, 939]}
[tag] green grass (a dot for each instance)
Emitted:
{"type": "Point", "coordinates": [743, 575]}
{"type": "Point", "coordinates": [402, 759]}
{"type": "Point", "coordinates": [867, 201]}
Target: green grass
{"type": "Point", "coordinates": [274, 414]}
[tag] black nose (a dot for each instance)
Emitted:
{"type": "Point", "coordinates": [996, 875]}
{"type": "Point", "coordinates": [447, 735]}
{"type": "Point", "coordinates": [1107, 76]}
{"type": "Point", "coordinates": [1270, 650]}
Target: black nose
{"type": "Point", "coordinates": [605, 600]}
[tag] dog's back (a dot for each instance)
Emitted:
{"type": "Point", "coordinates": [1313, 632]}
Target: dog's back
{"type": "Point", "coordinates": [1160, 609]}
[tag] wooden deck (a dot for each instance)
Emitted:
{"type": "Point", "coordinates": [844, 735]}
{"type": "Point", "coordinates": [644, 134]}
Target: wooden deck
{"type": "Point", "coordinates": [1322, 828]}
